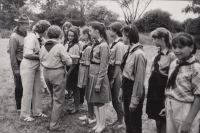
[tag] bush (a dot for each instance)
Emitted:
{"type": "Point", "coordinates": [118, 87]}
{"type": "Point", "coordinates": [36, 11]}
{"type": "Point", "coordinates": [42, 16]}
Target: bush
{"type": "Point", "coordinates": [192, 26]}
{"type": "Point", "coordinates": [156, 18]}
{"type": "Point", "coordinates": [140, 25]}
{"type": "Point", "coordinates": [101, 14]}
{"type": "Point", "coordinates": [197, 40]}
{"type": "Point", "coordinates": [58, 16]}
{"type": "Point", "coordinates": [5, 33]}
{"type": "Point", "coordinates": [176, 26]}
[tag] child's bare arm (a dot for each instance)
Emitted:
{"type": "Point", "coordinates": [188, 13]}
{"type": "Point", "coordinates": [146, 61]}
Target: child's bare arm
{"type": "Point", "coordinates": [186, 127]}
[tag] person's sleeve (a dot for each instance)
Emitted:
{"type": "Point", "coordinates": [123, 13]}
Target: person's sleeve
{"type": "Point", "coordinates": [139, 76]}
{"type": "Point", "coordinates": [104, 61]}
{"type": "Point", "coordinates": [65, 56]}
{"type": "Point", "coordinates": [119, 55]}
{"type": "Point", "coordinates": [87, 56]}
{"type": "Point", "coordinates": [196, 81]}
{"type": "Point", "coordinates": [76, 51]}
{"type": "Point", "coordinates": [13, 43]}
{"type": "Point", "coordinates": [29, 45]}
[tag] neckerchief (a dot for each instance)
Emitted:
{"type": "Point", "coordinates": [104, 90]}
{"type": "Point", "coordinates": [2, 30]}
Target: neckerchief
{"type": "Point", "coordinates": [172, 79]}
{"type": "Point", "coordinates": [157, 59]}
{"type": "Point", "coordinates": [50, 44]}
{"type": "Point", "coordinates": [84, 47]}
{"type": "Point", "coordinates": [96, 43]}
{"type": "Point", "coordinates": [114, 43]}
{"type": "Point", "coordinates": [126, 55]}
{"type": "Point", "coordinates": [24, 34]}
{"type": "Point", "coordinates": [69, 46]}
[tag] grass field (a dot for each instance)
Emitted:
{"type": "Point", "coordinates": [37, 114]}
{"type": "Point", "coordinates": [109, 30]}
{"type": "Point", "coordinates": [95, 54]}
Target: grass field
{"type": "Point", "coordinates": [9, 118]}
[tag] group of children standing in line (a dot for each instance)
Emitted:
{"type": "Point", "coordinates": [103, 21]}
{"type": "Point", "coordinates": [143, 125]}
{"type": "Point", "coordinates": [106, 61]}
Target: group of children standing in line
{"type": "Point", "coordinates": [103, 72]}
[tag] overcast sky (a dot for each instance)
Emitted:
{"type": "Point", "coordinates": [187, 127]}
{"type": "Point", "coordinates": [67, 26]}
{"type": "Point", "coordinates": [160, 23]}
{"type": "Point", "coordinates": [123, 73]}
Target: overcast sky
{"type": "Point", "coordinates": [173, 7]}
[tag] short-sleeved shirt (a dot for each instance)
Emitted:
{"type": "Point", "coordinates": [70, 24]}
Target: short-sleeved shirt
{"type": "Point", "coordinates": [81, 44]}
{"type": "Point", "coordinates": [74, 50]}
{"type": "Point", "coordinates": [117, 52]}
{"type": "Point", "coordinates": [135, 69]}
{"type": "Point", "coordinates": [85, 59]}
{"type": "Point", "coordinates": [31, 45]}
{"type": "Point", "coordinates": [187, 81]}
{"type": "Point", "coordinates": [56, 57]}
{"type": "Point", "coordinates": [165, 61]}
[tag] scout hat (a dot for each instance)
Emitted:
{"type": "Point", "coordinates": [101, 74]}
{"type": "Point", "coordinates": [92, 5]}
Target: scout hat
{"type": "Point", "coordinates": [23, 18]}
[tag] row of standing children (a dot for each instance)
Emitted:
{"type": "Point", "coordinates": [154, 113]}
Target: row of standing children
{"type": "Point", "coordinates": [102, 70]}
{"type": "Point", "coordinates": [100, 73]}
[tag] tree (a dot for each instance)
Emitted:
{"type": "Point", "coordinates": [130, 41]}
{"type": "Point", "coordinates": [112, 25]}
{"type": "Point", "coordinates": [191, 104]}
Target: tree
{"type": "Point", "coordinates": [130, 11]}
{"type": "Point", "coordinates": [9, 11]}
{"type": "Point", "coordinates": [59, 11]}
{"type": "Point", "coordinates": [156, 18]}
{"type": "Point", "coordinates": [101, 14]}
{"type": "Point", "coordinates": [82, 5]}
{"type": "Point", "coordinates": [192, 26]}
{"type": "Point", "coordinates": [195, 7]}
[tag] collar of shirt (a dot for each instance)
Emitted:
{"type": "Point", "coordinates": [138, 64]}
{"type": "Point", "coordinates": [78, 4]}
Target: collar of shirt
{"type": "Point", "coordinates": [100, 39]}
{"type": "Point", "coordinates": [135, 46]}
{"type": "Point", "coordinates": [164, 51]}
{"type": "Point", "coordinates": [191, 59]}
{"type": "Point", "coordinates": [37, 35]}
{"type": "Point", "coordinates": [116, 40]}
{"type": "Point", "coordinates": [53, 40]}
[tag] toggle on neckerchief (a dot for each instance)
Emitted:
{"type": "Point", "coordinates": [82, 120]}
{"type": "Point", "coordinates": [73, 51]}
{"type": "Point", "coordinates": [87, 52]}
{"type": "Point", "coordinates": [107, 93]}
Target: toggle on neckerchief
{"type": "Point", "coordinates": [95, 44]}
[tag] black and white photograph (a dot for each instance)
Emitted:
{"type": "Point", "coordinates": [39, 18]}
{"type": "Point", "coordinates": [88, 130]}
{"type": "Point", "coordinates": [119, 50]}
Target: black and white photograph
{"type": "Point", "coordinates": [99, 66]}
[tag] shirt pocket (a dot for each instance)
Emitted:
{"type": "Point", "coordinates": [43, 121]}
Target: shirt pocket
{"type": "Point", "coordinates": [96, 53]}
{"type": "Point", "coordinates": [184, 77]}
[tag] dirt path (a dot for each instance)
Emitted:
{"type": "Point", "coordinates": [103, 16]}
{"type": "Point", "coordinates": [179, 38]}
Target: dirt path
{"type": "Point", "coordinates": [9, 118]}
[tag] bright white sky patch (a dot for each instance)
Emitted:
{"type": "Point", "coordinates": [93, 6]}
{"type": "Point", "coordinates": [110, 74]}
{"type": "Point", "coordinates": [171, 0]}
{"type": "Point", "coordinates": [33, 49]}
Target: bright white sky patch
{"type": "Point", "coordinates": [173, 7]}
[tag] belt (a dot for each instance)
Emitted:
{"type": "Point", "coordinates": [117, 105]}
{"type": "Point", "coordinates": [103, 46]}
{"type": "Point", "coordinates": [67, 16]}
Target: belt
{"type": "Point", "coordinates": [92, 62]}
{"type": "Point", "coordinates": [55, 68]}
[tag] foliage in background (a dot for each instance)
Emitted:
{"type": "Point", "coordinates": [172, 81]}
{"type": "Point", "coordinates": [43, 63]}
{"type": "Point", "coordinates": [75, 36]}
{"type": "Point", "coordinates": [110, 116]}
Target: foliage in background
{"type": "Point", "coordinates": [101, 14]}
{"type": "Point", "coordinates": [154, 19]}
{"type": "Point", "coordinates": [58, 16]}
{"type": "Point", "coordinates": [192, 26]}
{"type": "Point", "coordinates": [9, 10]}
{"type": "Point", "coordinates": [195, 7]}
{"type": "Point", "coordinates": [5, 33]}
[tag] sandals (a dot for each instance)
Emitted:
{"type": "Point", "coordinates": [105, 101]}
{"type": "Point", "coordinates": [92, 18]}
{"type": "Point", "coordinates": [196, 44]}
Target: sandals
{"type": "Point", "coordinates": [28, 119]}
{"type": "Point", "coordinates": [42, 115]}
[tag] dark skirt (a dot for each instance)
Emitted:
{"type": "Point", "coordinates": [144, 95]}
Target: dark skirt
{"type": "Point", "coordinates": [72, 79]}
{"type": "Point", "coordinates": [156, 94]}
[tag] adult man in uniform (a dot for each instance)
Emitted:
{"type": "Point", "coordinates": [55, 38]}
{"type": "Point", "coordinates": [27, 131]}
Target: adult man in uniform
{"type": "Point", "coordinates": [15, 49]}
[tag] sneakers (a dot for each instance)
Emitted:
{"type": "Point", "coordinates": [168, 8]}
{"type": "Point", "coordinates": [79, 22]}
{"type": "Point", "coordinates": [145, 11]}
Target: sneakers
{"type": "Point", "coordinates": [91, 121]}
{"type": "Point", "coordinates": [83, 118]}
